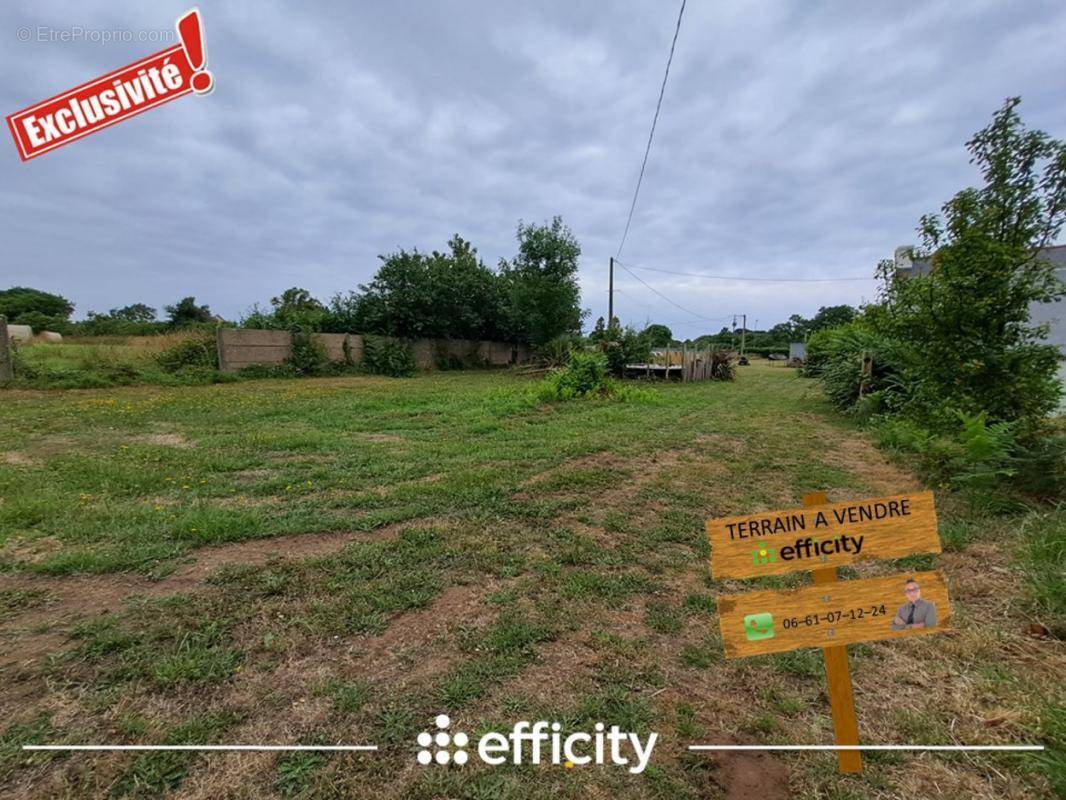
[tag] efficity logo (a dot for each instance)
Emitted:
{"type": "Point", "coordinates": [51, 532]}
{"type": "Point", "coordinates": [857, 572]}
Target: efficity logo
{"type": "Point", "coordinates": [536, 743]}
{"type": "Point", "coordinates": [763, 554]}
{"type": "Point", "coordinates": [118, 95]}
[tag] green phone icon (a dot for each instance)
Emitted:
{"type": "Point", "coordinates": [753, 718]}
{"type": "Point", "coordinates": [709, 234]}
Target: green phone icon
{"type": "Point", "coordinates": [759, 626]}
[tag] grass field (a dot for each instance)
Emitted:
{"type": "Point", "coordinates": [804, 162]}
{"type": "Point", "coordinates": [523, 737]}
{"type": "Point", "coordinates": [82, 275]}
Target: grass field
{"type": "Point", "coordinates": [99, 362]}
{"type": "Point", "coordinates": [339, 560]}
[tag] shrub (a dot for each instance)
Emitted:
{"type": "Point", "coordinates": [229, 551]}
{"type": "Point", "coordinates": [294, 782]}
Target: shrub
{"type": "Point", "coordinates": [1040, 466]}
{"type": "Point", "coordinates": [986, 452]}
{"type": "Point", "coordinates": [621, 346]}
{"type": "Point", "coordinates": [584, 376]}
{"type": "Point", "coordinates": [384, 355]}
{"type": "Point", "coordinates": [835, 355]}
{"type": "Point", "coordinates": [194, 351]}
{"type": "Point", "coordinates": [556, 352]}
{"type": "Point", "coordinates": [308, 355]}
{"type": "Point", "coordinates": [722, 366]}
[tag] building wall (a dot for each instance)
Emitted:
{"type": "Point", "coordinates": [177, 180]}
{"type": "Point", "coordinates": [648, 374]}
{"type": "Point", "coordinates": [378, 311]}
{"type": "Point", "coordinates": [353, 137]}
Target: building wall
{"type": "Point", "coordinates": [1054, 314]}
{"type": "Point", "coordinates": [1039, 313]}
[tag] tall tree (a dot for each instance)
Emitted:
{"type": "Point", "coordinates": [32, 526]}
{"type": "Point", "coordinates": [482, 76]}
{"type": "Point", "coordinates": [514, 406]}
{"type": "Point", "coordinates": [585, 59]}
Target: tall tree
{"type": "Point", "coordinates": [440, 295]}
{"type": "Point", "coordinates": [19, 300]}
{"type": "Point", "coordinates": [186, 312]}
{"type": "Point", "coordinates": [296, 308]}
{"type": "Point", "coordinates": [541, 293]}
{"type": "Point", "coordinates": [832, 317]}
{"type": "Point", "coordinates": [138, 312]}
{"type": "Point", "coordinates": [658, 335]}
{"type": "Point", "coordinates": [965, 326]}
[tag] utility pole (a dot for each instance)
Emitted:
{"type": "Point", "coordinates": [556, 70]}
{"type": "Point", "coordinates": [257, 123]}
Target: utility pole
{"type": "Point", "coordinates": [610, 295]}
{"type": "Point", "coordinates": [743, 330]}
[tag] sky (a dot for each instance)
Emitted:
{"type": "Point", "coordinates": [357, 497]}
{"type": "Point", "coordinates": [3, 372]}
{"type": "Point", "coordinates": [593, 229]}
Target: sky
{"type": "Point", "coordinates": [796, 141]}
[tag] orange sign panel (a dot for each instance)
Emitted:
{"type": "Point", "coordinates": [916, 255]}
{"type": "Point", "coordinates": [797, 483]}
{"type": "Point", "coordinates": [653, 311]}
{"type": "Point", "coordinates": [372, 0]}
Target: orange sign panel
{"type": "Point", "coordinates": [829, 614]}
{"type": "Point", "coordinates": [816, 537]}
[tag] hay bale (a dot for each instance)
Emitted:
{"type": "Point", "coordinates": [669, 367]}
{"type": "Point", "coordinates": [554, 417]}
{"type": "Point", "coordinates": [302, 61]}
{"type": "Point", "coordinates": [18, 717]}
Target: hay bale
{"type": "Point", "coordinates": [49, 336]}
{"type": "Point", "coordinates": [19, 333]}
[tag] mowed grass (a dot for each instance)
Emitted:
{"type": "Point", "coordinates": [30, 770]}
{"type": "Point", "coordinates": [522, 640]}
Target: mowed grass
{"type": "Point", "coordinates": [132, 478]}
{"type": "Point", "coordinates": [451, 545]}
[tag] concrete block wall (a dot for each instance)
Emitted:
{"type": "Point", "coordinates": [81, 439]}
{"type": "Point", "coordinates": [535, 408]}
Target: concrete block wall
{"type": "Point", "coordinates": [241, 347]}
{"type": "Point", "coordinates": [5, 352]}
{"type": "Point", "coordinates": [334, 343]}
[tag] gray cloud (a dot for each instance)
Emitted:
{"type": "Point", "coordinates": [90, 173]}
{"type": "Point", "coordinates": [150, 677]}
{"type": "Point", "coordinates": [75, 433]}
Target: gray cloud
{"type": "Point", "coordinates": [796, 140]}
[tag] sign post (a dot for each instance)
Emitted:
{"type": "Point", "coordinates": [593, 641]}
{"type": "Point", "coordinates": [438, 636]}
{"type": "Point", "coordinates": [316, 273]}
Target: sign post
{"type": "Point", "coordinates": [829, 614]}
{"type": "Point", "coordinates": [838, 674]}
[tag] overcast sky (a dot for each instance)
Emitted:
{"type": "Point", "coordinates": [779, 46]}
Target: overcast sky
{"type": "Point", "coordinates": [796, 140]}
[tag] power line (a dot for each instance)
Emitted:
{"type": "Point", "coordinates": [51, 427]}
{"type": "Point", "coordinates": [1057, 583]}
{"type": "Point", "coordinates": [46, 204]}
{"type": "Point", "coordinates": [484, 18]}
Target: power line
{"type": "Point", "coordinates": [633, 300]}
{"type": "Point", "coordinates": [748, 278]}
{"type": "Point", "coordinates": [639, 303]}
{"type": "Point", "coordinates": [655, 119]}
{"type": "Point", "coordinates": [664, 297]}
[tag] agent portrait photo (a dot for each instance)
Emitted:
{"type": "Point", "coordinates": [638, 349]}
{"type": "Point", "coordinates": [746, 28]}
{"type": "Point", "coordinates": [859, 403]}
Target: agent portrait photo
{"type": "Point", "coordinates": [916, 612]}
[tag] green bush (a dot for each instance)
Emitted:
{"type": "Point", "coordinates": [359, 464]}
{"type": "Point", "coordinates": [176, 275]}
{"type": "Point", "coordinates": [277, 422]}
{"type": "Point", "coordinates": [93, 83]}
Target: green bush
{"type": "Point", "coordinates": [195, 351]}
{"type": "Point", "coordinates": [723, 368]}
{"type": "Point", "coordinates": [556, 352]}
{"type": "Point", "coordinates": [620, 345]}
{"type": "Point", "coordinates": [987, 451]}
{"type": "Point", "coordinates": [308, 355]}
{"type": "Point", "coordinates": [835, 355]}
{"type": "Point", "coordinates": [384, 355]}
{"type": "Point", "coordinates": [1040, 465]}
{"type": "Point", "coordinates": [584, 376]}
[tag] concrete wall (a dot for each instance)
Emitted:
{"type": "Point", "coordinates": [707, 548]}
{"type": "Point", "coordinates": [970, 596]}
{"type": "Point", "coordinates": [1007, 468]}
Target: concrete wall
{"type": "Point", "coordinates": [1053, 315]}
{"type": "Point", "coordinates": [5, 352]}
{"type": "Point", "coordinates": [334, 343]}
{"type": "Point", "coordinates": [239, 348]}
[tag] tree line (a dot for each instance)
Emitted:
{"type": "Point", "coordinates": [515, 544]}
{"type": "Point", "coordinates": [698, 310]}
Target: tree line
{"type": "Point", "coordinates": [531, 298]}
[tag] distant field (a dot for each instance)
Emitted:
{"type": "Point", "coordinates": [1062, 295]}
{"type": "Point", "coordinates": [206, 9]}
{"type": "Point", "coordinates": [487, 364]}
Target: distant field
{"type": "Point", "coordinates": [97, 361]}
{"type": "Point", "coordinates": [338, 560]}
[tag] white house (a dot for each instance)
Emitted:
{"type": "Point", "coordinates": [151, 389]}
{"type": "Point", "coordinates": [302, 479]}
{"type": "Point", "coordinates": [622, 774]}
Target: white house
{"type": "Point", "coordinates": [1051, 314]}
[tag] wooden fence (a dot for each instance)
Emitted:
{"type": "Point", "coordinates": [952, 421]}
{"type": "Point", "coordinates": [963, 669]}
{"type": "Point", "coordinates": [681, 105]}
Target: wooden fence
{"type": "Point", "coordinates": [685, 364]}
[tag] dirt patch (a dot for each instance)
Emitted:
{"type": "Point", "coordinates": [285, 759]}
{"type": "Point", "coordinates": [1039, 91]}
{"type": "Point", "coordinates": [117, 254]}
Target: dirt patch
{"type": "Point", "coordinates": [859, 457]}
{"type": "Point", "coordinates": [381, 437]}
{"type": "Point", "coordinates": [17, 459]}
{"type": "Point", "coordinates": [253, 474]}
{"type": "Point", "coordinates": [744, 776]}
{"type": "Point", "coordinates": [81, 596]}
{"type": "Point", "coordinates": [163, 439]}
{"type": "Point", "coordinates": [409, 648]}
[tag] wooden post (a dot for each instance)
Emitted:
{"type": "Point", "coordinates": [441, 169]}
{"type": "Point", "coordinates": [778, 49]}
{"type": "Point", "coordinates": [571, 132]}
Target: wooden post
{"type": "Point", "coordinates": [6, 368]}
{"type": "Point", "coordinates": [684, 363]}
{"type": "Point", "coordinates": [838, 675]}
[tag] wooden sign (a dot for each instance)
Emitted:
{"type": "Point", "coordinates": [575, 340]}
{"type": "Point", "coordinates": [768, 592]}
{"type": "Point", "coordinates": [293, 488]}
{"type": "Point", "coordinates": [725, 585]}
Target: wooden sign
{"type": "Point", "coordinates": [821, 536]}
{"type": "Point", "coordinates": [831, 614]}
{"type": "Point", "coordinates": [828, 614]}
